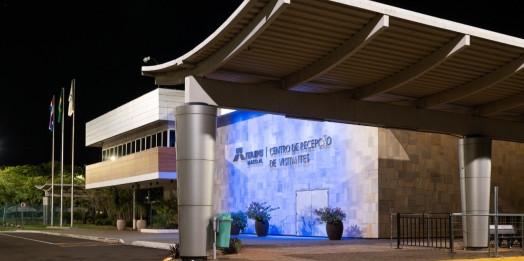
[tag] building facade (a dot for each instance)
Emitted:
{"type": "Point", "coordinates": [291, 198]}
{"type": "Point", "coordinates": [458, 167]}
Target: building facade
{"type": "Point", "coordinates": [297, 166]}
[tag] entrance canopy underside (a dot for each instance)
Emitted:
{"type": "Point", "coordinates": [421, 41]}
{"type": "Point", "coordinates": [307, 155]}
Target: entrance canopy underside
{"type": "Point", "coordinates": [360, 62]}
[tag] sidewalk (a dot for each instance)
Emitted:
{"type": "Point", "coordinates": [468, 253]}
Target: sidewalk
{"type": "Point", "coordinates": [297, 248]}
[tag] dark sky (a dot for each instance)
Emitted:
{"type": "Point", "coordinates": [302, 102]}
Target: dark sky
{"type": "Point", "coordinates": [44, 45]}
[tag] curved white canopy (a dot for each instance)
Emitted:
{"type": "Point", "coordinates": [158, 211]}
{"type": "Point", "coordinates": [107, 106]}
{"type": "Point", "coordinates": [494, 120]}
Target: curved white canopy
{"type": "Point", "coordinates": [360, 62]}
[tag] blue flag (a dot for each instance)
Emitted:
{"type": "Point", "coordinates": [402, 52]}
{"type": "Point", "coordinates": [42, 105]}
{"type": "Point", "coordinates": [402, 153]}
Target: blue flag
{"type": "Point", "coordinates": [51, 116]}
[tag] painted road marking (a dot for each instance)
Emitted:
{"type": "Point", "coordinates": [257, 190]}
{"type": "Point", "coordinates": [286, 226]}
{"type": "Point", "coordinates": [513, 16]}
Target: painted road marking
{"type": "Point", "coordinates": [27, 239]}
{"type": "Point", "coordinates": [90, 243]}
{"type": "Point", "coordinates": [85, 244]}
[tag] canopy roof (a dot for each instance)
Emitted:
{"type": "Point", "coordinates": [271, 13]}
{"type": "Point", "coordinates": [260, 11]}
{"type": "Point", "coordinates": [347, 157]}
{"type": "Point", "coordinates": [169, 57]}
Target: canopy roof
{"type": "Point", "coordinates": [360, 55]}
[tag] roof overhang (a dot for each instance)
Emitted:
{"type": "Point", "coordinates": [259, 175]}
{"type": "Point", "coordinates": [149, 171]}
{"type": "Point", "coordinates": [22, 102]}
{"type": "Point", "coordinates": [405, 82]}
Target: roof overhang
{"type": "Point", "coordinates": [399, 67]}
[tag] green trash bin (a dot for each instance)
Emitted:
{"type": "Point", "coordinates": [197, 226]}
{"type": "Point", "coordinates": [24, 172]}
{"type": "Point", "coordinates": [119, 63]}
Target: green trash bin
{"type": "Point", "coordinates": [223, 229]}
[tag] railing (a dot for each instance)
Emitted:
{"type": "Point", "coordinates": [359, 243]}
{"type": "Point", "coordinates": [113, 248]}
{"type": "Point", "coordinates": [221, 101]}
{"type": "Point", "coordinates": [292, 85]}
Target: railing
{"type": "Point", "coordinates": [422, 229]}
{"type": "Point", "coordinates": [492, 239]}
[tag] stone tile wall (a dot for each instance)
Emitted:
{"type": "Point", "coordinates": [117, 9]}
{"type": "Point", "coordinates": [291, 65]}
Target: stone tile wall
{"type": "Point", "coordinates": [348, 168]}
{"type": "Point", "coordinates": [418, 172]}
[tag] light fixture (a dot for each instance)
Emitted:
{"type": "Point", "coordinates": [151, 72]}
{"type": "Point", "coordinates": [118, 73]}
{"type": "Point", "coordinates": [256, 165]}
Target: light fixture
{"type": "Point", "coordinates": [147, 58]}
{"type": "Point", "coordinates": [304, 118]}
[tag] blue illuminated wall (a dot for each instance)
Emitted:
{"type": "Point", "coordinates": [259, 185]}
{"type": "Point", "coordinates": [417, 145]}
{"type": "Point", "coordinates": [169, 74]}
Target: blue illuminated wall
{"type": "Point", "coordinates": [268, 158]}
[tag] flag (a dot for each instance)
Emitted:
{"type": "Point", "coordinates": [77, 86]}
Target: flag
{"type": "Point", "coordinates": [51, 116]}
{"type": "Point", "coordinates": [70, 110]}
{"type": "Point", "coordinates": [60, 106]}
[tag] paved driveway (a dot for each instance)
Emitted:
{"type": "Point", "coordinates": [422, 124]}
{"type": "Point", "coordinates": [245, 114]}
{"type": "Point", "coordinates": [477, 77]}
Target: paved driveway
{"type": "Point", "coordinates": [35, 246]}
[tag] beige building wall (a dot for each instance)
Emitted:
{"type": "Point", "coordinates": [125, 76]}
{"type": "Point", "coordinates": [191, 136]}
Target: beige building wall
{"type": "Point", "coordinates": [418, 173]}
{"type": "Point", "coordinates": [507, 172]}
{"type": "Point", "coordinates": [155, 163]}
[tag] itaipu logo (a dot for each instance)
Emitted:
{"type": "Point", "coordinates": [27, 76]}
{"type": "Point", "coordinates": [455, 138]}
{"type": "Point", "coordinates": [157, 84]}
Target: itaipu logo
{"type": "Point", "coordinates": [252, 157]}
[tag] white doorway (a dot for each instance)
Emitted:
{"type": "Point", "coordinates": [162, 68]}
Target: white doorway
{"type": "Point", "coordinates": [307, 201]}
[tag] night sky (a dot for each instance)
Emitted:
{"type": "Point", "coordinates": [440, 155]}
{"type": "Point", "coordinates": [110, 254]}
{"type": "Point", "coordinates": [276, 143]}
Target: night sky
{"type": "Point", "coordinates": [44, 45]}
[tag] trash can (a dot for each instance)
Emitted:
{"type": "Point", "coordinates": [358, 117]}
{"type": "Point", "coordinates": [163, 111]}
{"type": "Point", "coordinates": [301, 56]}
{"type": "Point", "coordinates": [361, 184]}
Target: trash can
{"type": "Point", "coordinates": [223, 229]}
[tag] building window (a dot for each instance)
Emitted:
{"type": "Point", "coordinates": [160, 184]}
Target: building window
{"type": "Point", "coordinates": [164, 139]}
{"type": "Point", "coordinates": [143, 144]}
{"type": "Point", "coordinates": [153, 141]}
{"type": "Point", "coordinates": [128, 148]}
{"type": "Point", "coordinates": [172, 138]}
{"type": "Point", "coordinates": [138, 147]}
{"type": "Point", "coordinates": [133, 146]}
{"type": "Point", "coordinates": [148, 142]}
{"type": "Point", "coordinates": [159, 139]}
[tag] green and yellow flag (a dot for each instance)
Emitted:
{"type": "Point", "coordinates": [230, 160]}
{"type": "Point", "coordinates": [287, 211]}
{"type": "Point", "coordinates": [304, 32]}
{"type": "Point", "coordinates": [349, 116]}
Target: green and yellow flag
{"type": "Point", "coordinates": [60, 106]}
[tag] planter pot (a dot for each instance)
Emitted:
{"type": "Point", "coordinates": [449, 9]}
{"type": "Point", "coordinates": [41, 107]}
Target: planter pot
{"type": "Point", "coordinates": [120, 224]}
{"type": "Point", "coordinates": [140, 224]}
{"type": "Point", "coordinates": [334, 230]}
{"type": "Point", "coordinates": [262, 227]}
{"type": "Point", "coordinates": [234, 230]}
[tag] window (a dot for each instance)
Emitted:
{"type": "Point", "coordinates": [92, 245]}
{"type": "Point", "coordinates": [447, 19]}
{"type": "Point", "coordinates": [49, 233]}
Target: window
{"type": "Point", "coordinates": [159, 139]}
{"type": "Point", "coordinates": [143, 144]}
{"type": "Point", "coordinates": [148, 142]}
{"type": "Point", "coordinates": [172, 138]}
{"type": "Point", "coordinates": [119, 151]}
{"type": "Point", "coordinates": [133, 146]}
{"type": "Point", "coordinates": [164, 139]}
{"type": "Point", "coordinates": [138, 146]}
{"type": "Point", "coordinates": [153, 141]}
{"type": "Point", "coordinates": [104, 157]}
{"type": "Point", "coordinates": [128, 148]}
{"type": "Point", "coordinates": [111, 153]}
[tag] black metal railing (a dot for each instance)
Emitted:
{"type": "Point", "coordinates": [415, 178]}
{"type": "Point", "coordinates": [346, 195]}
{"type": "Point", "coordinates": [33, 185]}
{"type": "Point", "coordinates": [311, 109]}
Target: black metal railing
{"type": "Point", "coordinates": [424, 230]}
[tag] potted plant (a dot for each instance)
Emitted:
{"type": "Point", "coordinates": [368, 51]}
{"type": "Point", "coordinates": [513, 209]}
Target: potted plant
{"type": "Point", "coordinates": [333, 218]}
{"type": "Point", "coordinates": [120, 222]}
{"type": "Point", "coordinates": [141, 211]}
{"type": "Point", "coordinates": [260, 213]}
{"type": "Point", "coordinates": [239, 222]}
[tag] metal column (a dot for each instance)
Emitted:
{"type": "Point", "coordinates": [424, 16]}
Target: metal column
{"type": "Point", "coordinates": [475, 180]}
{"type": "Point", "coordinates": [195, 130]}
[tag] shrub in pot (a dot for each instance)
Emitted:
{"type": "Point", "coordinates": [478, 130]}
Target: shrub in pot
{"type": "Point", "coordinates": [261, 214]}
{"type": "Point", "coordinates": [333, 218]}
{"type": "Point", "coordinates": [141, 211]}
{"type": "Point", "coordinates": [239, 222]}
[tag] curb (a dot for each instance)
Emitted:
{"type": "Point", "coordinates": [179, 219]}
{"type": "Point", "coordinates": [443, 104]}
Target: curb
{"type": "Point", "coordinates": [100, 239]}
{"type": "Point", "coordinates": [151, 244]}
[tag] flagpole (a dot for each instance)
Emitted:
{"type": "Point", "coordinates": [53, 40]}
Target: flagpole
{"type": "Point", "coordinates": [53, 165]}
{"type": "Point", "coordinates": [73, 89]}
{"type": "Point", "coordinates": [62, 165]}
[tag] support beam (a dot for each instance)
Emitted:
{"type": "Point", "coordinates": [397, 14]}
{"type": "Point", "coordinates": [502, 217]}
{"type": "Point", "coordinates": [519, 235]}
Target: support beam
{"type": "Point", "coordinates": [339, 55]}
{"type": "Point", "coordinates": [475, 86]}
{"type": "Point", "coordinates": [341, 109]}
{"type": "Point", "coordinates": [502, 105]}
{"type": "Point", "coordinates": [172, 78]}
{"type": "Point", "coordinates": [447, 51]}
{"type": "Point", "coordinates": [243, 39]}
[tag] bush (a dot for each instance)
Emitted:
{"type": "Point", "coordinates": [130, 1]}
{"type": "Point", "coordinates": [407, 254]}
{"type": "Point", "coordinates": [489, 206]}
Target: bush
{"type": "Point", "coordinates": [235, 245]}
{"type": "Point", "coordinates": [175, 250]}
{"type": "Point", "coordinates": [329, 214]}
{"type": "Point", "coordinates": [166, 213]}
{"type": "Point", "coordinates": [258, 211]}
{"type": "Point", "coordinates": [239, 219]}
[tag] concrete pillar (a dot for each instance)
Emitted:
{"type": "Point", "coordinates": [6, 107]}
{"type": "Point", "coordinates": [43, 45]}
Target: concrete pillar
{"type": "Point", "coordinates": [475, 181]}
{"type": "Point", "coordinates": [195, 131]}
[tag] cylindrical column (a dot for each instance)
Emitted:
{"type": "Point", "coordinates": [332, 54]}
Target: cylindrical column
{"type": "Point", "coordinates": [46, 210]}
{"type": "Point", "coordinates": [475, 180]}
{"type": "Point", "coordinates": [195, 132]}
